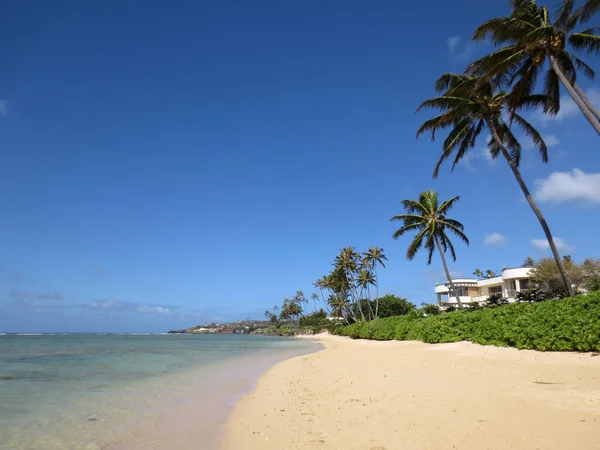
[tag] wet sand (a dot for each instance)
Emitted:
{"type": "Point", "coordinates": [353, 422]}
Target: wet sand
{"type": "Point", "coordinates": [409, 395]}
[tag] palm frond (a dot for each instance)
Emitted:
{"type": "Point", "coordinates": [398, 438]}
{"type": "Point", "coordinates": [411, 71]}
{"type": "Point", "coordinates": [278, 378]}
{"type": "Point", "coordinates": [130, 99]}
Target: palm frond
{"type": "Point", "coordinates": [583, 67]}
{"type": "Point", "coordinates": [444, 102]}
{"type": "Point", "coordinates": [587, 42]}
{"type": "Point", "coordinates": [445, 207]}
{"type": "Point", "coordinates": [415, 245]}
{"type": "Point", "coordinates": [552, 90]}
{"type": "Point", "coordinates": [535, 136]}
{"type": "Point", "coordinates": [564, 13]}
{"type": "Point", "coordinates": [586, 12]}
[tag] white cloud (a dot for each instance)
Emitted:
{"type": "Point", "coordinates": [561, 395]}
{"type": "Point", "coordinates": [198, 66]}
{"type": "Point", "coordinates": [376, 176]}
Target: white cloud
{"type": "Point", "coordinates": [495, 240]}
{"type": "Point", "coordinates": [452, 43]}
{"type": "Point", "coordinates": [470, 160]}
{"type": "Point", "coordinates": [457, 52]}
{"type": "Point", "coordinates": [123, 306]}
{"type": "Point", "coordinates": [154, 309]}
{"type": "Point", "coordinates": [551, 140]}
{"type": "Point", "coordinates": [568, 108]}
{"type": "Point", "coordinates": [3, 108]}
{"type": "Point", "coordinates": [562, 187]}
{"type": "Point", "coordinates": [542, 244]}
{"type": "Point", "coordinates": [108, 304]}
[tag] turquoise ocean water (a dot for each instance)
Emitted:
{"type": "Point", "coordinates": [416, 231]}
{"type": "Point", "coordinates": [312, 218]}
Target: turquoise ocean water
{"type": "Point", "coordinates": [94, 391]}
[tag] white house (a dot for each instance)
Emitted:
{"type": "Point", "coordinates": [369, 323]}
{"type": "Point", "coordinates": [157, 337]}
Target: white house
{"type": "Point", "coordinates": [477, 290]}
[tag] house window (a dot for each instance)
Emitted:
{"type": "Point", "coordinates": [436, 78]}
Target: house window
{"type": "Point", "coordinates": [495, 290]}
{"type": "Point", "coordinates": [462, 291]}
{"type": "Point", "coordinates": [512, 285]}
{"type": "Point", "coordinates": [524, 284]}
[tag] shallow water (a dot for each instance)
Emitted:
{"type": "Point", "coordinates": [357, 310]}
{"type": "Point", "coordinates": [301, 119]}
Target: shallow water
{"type": "Point", "coordinates": [125, 391]}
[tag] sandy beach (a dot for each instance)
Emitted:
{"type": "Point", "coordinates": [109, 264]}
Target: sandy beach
{"type": "Point", "coordinates": [409, 395]}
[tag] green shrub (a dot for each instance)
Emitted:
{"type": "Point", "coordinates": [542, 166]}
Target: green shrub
{"type": "Point", "coordinates": [285, 331]}
{"type": "Point", "coordinates": [496, 300]}
{"type": "Point", "coordinates": [431, 310]}
{"type": "Point", "coordinates": [314, 319]}
{"type": "Point", "coordinates": [571, 324]}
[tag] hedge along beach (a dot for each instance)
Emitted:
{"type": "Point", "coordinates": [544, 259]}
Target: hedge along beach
{"type": "Point", "coordinates": [409, 395]}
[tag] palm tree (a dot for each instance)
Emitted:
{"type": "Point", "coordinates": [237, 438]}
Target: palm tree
{"type": "Point", "coordinates": [365, 280]}
{"type": "Point", "coordinates": [339, 304]}
{"type": "Point", "coordinates": [531, 39]}
{"type": "Point", "coordinates": [428, 218]}
{"type": "Point", "coordinates": [323, 283]}
{"type": "Point", "coordinates": [469, 105]}
{"type": "Point", "coordinates": [315, 297]}
{"type": "Point", "coordinates": [347, 263]}
{"type": "Point", "coordinates": [374, 257]}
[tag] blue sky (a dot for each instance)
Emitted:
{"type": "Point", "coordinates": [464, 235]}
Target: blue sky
{"type": "Point", "coordinates": [173, 163]}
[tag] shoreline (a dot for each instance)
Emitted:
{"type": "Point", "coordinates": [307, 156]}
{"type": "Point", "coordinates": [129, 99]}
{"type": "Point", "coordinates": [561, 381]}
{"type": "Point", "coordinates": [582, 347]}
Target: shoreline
{"type": "Point", "coordinates": [199, 415]}
{"type": "Point", "coordinates": [385, 395]}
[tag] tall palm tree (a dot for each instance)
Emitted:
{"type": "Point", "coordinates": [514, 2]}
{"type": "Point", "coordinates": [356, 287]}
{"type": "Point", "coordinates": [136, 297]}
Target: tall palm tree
{"type": "Point", "coordinates": [339, 305]}
{"type": "Point", "coordinates": [374, 257]}
{"type": "Point", "coordinates": [315, 297]}
{"type": "Point", "coordinates": [428, 218]}
{"type": "Point", "coordinates": [365, 280]}
{"type": "Point", "coordinates": [347, 263]}
{"type": "Point", "coordinates": [321, 284]}
{"type": "Point", "coordinates": [469, 105]}
{"type": "Point", "coordinates": [531, 39]}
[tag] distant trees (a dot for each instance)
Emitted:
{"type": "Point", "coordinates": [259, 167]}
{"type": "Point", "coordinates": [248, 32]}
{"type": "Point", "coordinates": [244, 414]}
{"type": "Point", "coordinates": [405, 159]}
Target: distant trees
{"type": "Point", "coordinates": [292, 308]}
{"type": "Point", "coordinates": [485, 274]}
{"type": "Point", "coordinates": [349, 284]}
{"type": "Point", "coordinates": [547, 280]}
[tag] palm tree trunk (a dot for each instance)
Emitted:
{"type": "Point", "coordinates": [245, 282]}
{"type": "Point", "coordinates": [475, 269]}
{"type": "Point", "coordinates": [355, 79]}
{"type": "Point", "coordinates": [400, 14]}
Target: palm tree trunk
{"type": "Point", "coordinates": [587, 102]}
{"type": "Point", "coordinates": [450, 282]}
{"type": "Point", "coordinates": [589, 115]}
{"type": "Point", "coordinates": [376, 292]}
{"type": "Point", "coordinates": [371, 313]}
{"type": "Point", "coordinates": [536, 210]}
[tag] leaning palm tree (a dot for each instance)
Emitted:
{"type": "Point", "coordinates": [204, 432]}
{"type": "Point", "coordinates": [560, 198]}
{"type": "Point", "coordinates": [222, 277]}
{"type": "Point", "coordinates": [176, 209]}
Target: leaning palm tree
{"type": "Point", "coordinates": [531, 39]}
{"type": "Point", "coordinates": [428, 218]}
{"type": "Point", "coordinates": [374, 257]}
{"type": "Point", "coordinates": [468, 106]}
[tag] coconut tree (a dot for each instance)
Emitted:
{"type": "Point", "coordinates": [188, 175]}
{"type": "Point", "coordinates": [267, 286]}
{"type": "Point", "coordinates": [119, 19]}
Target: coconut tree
{"type": "Point", "coordinates": [347, 263]}
{"type": "Point", "coordinates": [468, 106]}
{"type": "Point", "coordinates": [365, 280]}
{"type": "Point", "coordinates": [429, 220]}
{"type": "Point", "coordinates": [533, 43]}
{"type": "Point", "coordinates": [314, 296]}
{"type": "Point", "coordinates": [339, 305]}
{"type": "Point", "coordinates": [375, 257]}
{"type": "Point", "coordinates": [321, 284]}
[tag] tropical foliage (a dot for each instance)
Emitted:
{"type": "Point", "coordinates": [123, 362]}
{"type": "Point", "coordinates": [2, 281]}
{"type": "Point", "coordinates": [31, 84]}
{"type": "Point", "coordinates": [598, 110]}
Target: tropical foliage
{"type": "Point", "coordinates": [468, 106]}
{"type": "Point", "coordinates": [429, 220]}
{"type": "Point", "coordinates": [349, 284]}
{"type": "Point", "coordinates": [570, 324]}
{"type": "Point", "coordinates": [534, 44]}
{"type": "Point", "coordinates": [585, 277]}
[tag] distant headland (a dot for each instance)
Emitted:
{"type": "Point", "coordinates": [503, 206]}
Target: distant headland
{"type": "Point", "coordinates": [240, 327]}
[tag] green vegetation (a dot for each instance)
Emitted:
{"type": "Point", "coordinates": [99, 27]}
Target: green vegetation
{"type": "Point", "coordinates": [349, 284]}
{"type": "Point", "coordinates": [529, 38]}
{"type": "Point", "coordinates": [490, 96]}
{"type": "Point", "coordinates": [570, 324]}
{"type": "Point", "coordinates": [429, 219]}
{"type": "Point", "coordinates": [468, 106]}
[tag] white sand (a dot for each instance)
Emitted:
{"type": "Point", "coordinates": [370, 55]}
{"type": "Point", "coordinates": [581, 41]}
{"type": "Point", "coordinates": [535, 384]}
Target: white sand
{"type": "Point", "coordinates": [409, 395]}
